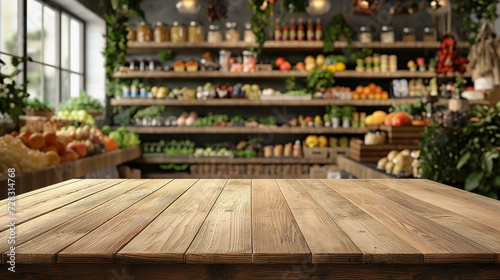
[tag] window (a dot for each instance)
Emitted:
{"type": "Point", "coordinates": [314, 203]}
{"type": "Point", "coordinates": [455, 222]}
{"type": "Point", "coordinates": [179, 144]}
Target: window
{"type": "Point", "coordinates": [54, 40]}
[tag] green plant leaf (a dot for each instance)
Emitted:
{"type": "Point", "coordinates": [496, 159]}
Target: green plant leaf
{"type": "Point", "coordinates": [473, 180]}
{"type": "Point", "coordinates": [496, 181]}
{"type": "Point", "coordinates": [488, 159]}
{"type": "Point", "coordinates": [463, 160]}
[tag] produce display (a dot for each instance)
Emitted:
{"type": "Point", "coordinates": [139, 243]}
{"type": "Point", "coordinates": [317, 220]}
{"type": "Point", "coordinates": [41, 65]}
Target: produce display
{"type": "Point", "coordinates": [313, 141]}
{"type": "Point", "coordinates": [82, 102]}
{"type": "Point", "coordinates": [122, 137]}
{"type": "Point", "coordinates": [34, 104]}
{"type": "Point", "coordinates": [401, 163]}
{"type": "Point", "coordinates": [15, 154]}
{"type": "Point", "coordinates": [81, 116]}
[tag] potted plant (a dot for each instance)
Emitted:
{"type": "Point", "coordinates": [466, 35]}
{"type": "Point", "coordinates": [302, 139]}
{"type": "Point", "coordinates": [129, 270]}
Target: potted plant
{"type": "Point", "coordinates": [34, 107]}
{"type": "Point", "coordinates": [319, 80]}
{"type": "Point", "coordinates": [347, 115]}
{"type": "Point", "coordinates": [335, 114]}
{"type": "Point", "coordinates": [83, 102]}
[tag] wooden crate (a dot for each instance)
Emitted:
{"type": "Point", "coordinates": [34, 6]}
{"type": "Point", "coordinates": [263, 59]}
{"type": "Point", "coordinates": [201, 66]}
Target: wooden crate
{"type": "Point", "coordinates": [315, 152]}
{"type": "Point", "coordinates": [403, 134]}
{"type": "Point", "coordinates": [334, 152]}
{"type": "Point", "coordinates": [372, 153]}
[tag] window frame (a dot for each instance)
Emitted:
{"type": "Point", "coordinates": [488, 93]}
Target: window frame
{"type": "Point", "coordinates": [22, 14]}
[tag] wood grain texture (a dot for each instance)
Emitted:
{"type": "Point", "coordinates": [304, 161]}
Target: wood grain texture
{"type": "Point", "coordinates": [255, 271]}
{"type": "Point", "coordinates": [168, 237]}
{"type": "Point", "coordinates": [275, 233]}
{"type": "Point", "coordinates": [376, 242]}
{"type": "Point", "coordinates": [327, 242]}
{"type": "Point", "coordinates": [100, 245]}
{"type": "Point", "coordinates": [44, 223]}
{"type": "Point", "coordinates": [225, 236]}
{"type": "Point", "coordinates": [436, 242]}
{"type": "Point", "coordinates": [41, 190]}
{"type": "Point", "coordinates": [45, 203]}
{"type": "Point", "coordinates": [43, 248]}
{"type": "Point", "coordinates": [448, 202]}
{"type": "Point", "coordinates": [466, 227]}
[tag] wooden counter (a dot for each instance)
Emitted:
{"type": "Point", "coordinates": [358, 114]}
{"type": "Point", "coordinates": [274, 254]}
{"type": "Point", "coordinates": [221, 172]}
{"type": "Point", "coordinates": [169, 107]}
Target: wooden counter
{"type": "Point", "coordinates": [254, 229]}
{"type": "Point", "coordinates": [74, 169]}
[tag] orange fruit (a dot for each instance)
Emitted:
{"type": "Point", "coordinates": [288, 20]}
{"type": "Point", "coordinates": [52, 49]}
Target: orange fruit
{"type": "Point", "coordinates": [36, 141]}
{"type": "Point", "coordinates": [372, 85]}
{"type": "Point", "coordinates": [359, 89]}
{"type": "Point", "coordinates": [385, 95]}
{"type": "Point", "coordinates": [355, 95]}
{"type": "Point", "coordinates": [366, 90]}
{"type": "Point", "coordinates": [371, 96]}
{"type": "Point", "coordinates": [378, 96]}
{"type": "Point", "coordinates": [378, 89]}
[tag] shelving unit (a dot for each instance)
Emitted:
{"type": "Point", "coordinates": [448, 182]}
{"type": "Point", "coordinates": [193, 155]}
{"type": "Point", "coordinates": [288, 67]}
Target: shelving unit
{"type": "Point", "coordinates": [247, 102]}
{"type": "Point", "coordinates": [164, 159]}
{"type": "Point", "coordinates": [242, 130]}
{"type": "Point", "coordinates": [185, 175]}
{"type": "Point", "coordinates": [153, 47]}
{"type": "Point", "coordinates": [347, 74]}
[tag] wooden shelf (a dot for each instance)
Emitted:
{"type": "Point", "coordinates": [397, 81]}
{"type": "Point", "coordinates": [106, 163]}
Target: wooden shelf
{"type": "Point", "coordinates": [70, 170]}
{"type": "Point", "coordinates": [347, 74]}
{"type": "Point", "coordinates": [153, 47]}
{"type": "Point", "coordinates": [184, 175]}
{"type": "Point", "coordinates": [164, 159]}
{"type": "Point", "coordinates": [242, 130]}
{"type": "Point", "coordinates": [247, 102]}
{"type": "Point", "coordinates": [359, 170]}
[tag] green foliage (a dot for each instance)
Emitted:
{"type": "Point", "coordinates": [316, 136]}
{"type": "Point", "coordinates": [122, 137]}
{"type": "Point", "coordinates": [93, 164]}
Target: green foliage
{"type": "Point", "coordinates": [118, 13]}
{"type": "Point", "coordinates": [466, 157]}
{"type": "Point", "coordinates": [290, 83]}
{"type": "Point", "coordinates": [12, 95]}
{"type": "Point", "coordinates": [35, 103]}
{"type": "Point", "coordinates": [123, 117]}
{"type": "Point", "coordinates": [415, 108]}
{"type": "Point", "coordinates": [124, 138]}
{"type": "Point", "coordinates": [259, 22]}
{"type": "Point", "coordinates": [337, 26]}
{"type": "Point", "coordinates": [360, 55]}
{"type": "Point", "coordinates": [150, 111]}
{"type": "Point", "coordinates": [82, 102]}
{"type": "Point", "coordinates": [166, 55]}
{"type": "Point", "coordinates": [319, 78]}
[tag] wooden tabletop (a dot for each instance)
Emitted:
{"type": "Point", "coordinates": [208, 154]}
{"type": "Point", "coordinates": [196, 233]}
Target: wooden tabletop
{"type": "Point", "coordinates": [261, 221]}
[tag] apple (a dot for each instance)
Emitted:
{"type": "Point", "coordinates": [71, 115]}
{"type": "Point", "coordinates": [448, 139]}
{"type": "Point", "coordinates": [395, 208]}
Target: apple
{"type": "Point", "coordinates": [71, 155]}
{"type": "Point", "coordinates": [300, 66]}
{"type": "Point", "coordinates": [388, 119]}
{"type": "Point", "coordinates": [24, 136]}
{"type": "Point", "coordinates": [78, 147]}
{"type": "Point", "coordinates": [14, 134]}
{"type": "Point", "coordinates": [279, 61]}
{"type": "Point", "coordinates": [49, 148]}
{"type": "Point", "coordinates": [401, 119]}
{"type": "Point", "coordinates": [285, 66]}
{"type": "Point", "coordinates": [50, 138]}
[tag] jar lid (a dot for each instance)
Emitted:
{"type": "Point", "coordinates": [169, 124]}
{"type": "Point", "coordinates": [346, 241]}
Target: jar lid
{"type": "Point", "coordinates": [387, 28]}
{"type": "Point", "coordinates": [159, 23]}
{"type": "Point", "coordinates": [213, 27]}
{"type": "Point", "coordinates": [363, 29]}
{"type": "Point", "coordinates": [142, 23]}
{"type": "Point", "coordinates": [231, 24]}
{"type": "Point", "coordinates": [248, 25]}
{"type": "Point", "coordinates": [429, 29]}
{"type": "Point", "coordinates": [408, 30]}
{"type": "Point", "coordinates": [193, 23]}
{"type": "Point", "coordinates": [248, 52]}
{"type": "Point", "coordinates": [175, 23]}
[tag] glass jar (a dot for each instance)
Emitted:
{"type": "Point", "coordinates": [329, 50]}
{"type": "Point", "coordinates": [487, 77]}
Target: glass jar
{"type": "Point", "coordinates": [214, 35]}
{"type": "Point", "coordinates": [178, 32]}
{"type": "Point", "coordinates": [387, 34]}
{"type": "Point", "coordinates": [249, 61]}
{"type": "Point", "coordinates": [430, 34]}
{"type": "Point", "coordinates": [364, 35]}
{"type": "Point", "coordinates": [232, 34]}
{"type": "Point", "coordinates": [161, 33]}
{"type": "Point", "coordinates": [131, 35]}
{"type": "Point", "coordinates": [224, 57]}
{"type": "Point", "coordinates": [409, 34]}
{"type": "Point", "coordinates": [249, 35]}
{"type": "Point", "coordinates": [196, 32]}
{"type": "Point", "coordinates": [144, 32]}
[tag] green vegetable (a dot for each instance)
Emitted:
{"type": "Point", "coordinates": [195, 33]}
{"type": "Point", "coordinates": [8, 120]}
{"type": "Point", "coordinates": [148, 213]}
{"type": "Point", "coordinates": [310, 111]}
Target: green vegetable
{"type": "Point", "coordinates": [166, 55]}
{"type": "Point", "coordinates": [360, 55]}
{"type": "Point", "coordinates": [290, 83]}
{"type": "Point", "coordinates": [319, 78]}
{"type": "Point", "coordinates": [35, 103]}
{"type": "Point", "coordinates": [150, 111]}
{"type": "Point", "coordinates": [106, 129]}
{"type": "Point", "coordinates": [338, 25]}
{"type": "Point", "coordinates": [122, 118]}
{"type": "Point", "coordinates": [82, 102]}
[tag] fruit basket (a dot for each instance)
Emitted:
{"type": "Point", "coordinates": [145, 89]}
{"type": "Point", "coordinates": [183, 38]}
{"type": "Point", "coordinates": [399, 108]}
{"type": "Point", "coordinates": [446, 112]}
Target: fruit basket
{"type": "Point", "coordinates": [38, 113]}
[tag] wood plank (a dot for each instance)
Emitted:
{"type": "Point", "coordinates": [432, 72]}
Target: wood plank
{"type": "Point", "coordinates": [242, 130]}
{"type": "Point", "coordinates": [246, 102]}
{"type": "Point", "coordinates": [466, 227]}
{"type": "Point", "coordinates": [165, 159]}
{"type": "Point", "coordinates": [466, 196]}
{"type": "Point", "coordinates": [43, 248]}
{"type": "Point", "coordinates": [438, 243]}
{"type": "Point", "coordinates": [168, 237]}
{"type": "Point", "coordinates": [376, 242]}
{"type": "Point", "coordinates": [358, 170]}
{"type": "Point", "coordinates": [448, 202]}
{"type": "Point", "coordinates": [100, 245]}
{"type": "Point", "coordinates": [75, 192]}
{"type": "Point", "coordinates": [275, 233]}
{"type": "Point", "coordinates": [226, 235]}
{"type": "Point", "coordinates": [36, 192]}
{"type": "Point", "coordinates": [185, 175]}
{"type": "Point", "coordinates": [44, 223]}
{"type": "Point", "coordinates": [327, 242]}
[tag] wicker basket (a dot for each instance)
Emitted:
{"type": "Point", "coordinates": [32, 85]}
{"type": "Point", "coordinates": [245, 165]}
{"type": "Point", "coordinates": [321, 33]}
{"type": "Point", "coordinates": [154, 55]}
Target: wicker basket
{"type": "Point", "coordinates": [38, 113]}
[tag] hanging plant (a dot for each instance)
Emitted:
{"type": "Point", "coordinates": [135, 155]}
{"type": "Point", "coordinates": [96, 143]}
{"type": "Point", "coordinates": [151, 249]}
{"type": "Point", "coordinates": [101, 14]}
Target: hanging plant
{"type": "Point", "coordinates": [294, 6]}
{"type": "Point", "coordinates": [337, 26]}
{"type": "Point", "coordinates": [261, 10]}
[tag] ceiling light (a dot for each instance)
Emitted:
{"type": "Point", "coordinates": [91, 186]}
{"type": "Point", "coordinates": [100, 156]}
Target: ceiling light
{"type": "Point", "coordinates": [318, 7]}
{"type": "Point", "coordinates": [188, 6]}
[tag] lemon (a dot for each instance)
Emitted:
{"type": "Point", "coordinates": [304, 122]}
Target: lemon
{"type": "Point", "coordinates": [340, 66]}
{"type": "Point", "coordinates": [332, 68]}
{"type": "Point", "coordinates": [310, 60]}
{"type": "Point", "coordinates": [320, 60]}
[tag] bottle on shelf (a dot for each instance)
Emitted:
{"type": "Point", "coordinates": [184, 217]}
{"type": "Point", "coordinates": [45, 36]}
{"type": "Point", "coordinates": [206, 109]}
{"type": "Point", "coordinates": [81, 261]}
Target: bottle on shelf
{"type": "Point", "coordinates": [293, 30]}
{"type": "Point", "coordinates": [310, 30]}
{"type": "Point", "coordinates": [284, 31]}
{"type": "Point", "coordinates": [277, 30]}
{"type": "Point", "coordinates": [318, 34]}
{"type": "Point", "coordinates": [301, 34]}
